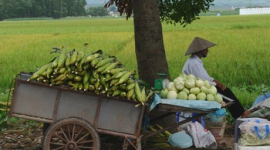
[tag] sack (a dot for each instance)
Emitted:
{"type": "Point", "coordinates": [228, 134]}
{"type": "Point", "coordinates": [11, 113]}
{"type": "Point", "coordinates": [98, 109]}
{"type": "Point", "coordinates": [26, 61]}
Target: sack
{"type": "Point", "coordinates": [261, 109]}
{"type": "Point", "coordinates": [255, 132]}
{"type": "Point", "coordinates": [201, 137]}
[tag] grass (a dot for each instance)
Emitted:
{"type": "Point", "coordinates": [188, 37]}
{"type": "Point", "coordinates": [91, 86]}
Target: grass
{"type": "Point", "coordinates": [240, 58]}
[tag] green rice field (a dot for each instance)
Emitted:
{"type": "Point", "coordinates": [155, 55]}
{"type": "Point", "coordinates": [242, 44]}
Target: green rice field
{"type": "Point", "coordinates": [239, 60]}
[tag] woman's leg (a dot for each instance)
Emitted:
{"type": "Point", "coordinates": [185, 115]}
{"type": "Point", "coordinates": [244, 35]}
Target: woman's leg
{"type": "Point", "coordinates": [235, 109]}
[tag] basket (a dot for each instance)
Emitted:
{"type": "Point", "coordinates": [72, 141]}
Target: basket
{"type": "Point", "coordinates": [212, 120]}
{"type": "Point", "coordinates": [216, 125]}
{"type": "Point", "coordinates": [217, 131]}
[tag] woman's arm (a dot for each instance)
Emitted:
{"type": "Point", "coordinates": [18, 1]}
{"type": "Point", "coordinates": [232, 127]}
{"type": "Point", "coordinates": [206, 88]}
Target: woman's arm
{"type": "Point", "coordinates": [222, 86]}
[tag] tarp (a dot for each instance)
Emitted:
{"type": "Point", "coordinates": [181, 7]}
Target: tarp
{"type": "Point", "coordinates": [194, 104]}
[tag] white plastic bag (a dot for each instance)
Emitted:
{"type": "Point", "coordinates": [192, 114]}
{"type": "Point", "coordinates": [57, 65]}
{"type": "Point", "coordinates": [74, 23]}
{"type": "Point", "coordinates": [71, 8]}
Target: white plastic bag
{"type": "Point", "coordinates": [202, 138]}
{"type": "Point", "coordinates": [255, 132]}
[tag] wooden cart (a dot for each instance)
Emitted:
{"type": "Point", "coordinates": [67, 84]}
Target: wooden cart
{"type": "Point", "coordinates": [76, 117]}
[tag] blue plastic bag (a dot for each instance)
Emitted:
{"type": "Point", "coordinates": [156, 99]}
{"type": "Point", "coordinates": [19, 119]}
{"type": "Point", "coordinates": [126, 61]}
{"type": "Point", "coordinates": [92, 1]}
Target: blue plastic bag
{"type": "Point", "coordinates": [261, 98]}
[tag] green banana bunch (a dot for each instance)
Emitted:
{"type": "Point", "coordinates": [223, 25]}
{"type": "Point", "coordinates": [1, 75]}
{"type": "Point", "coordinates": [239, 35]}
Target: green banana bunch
{"type": "Point", "coordinates": [93, 72]}
{"type": "Point", "coordinates": [141, 94]}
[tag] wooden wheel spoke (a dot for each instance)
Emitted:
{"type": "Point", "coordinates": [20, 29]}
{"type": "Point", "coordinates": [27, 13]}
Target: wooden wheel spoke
{"type": "Point", "coordinates": [62, 147]}
{"type": "Point", "coordinates": [78, 134]}
{"type": "Point", "coordinates": [67, 139]}
{"type": "Point", "coordinates": [58, 144]}
{"type": "Point", "coordinates": [83, 142]}
{"type": "Point", "coordinates": [69, 136]}
{"type": "Point", "coordinates": [73, 131]}
{"type": "Point", "coordinates": [60, 137]}
{"type": "Point", "coordinates": [90, 147]}
{"type": "Point", "coordinates": [83, 137]}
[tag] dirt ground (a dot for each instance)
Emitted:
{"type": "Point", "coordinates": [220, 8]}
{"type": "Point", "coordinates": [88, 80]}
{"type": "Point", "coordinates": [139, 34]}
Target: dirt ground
{"type": "Point", "coordinates": [25, 137]}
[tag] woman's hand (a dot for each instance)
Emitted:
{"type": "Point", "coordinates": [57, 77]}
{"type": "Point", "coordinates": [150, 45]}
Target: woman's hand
{"type": "Point", "coordinates": [222, 86]}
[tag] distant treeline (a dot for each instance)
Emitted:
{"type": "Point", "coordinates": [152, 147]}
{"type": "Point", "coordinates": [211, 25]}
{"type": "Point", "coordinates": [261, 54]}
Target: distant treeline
{"type": "Point", "coordinates": [41, 8]}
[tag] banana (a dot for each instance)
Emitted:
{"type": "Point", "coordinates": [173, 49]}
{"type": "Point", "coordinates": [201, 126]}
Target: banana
{"type": "Point", "coordinates": [130, 93]}
{"type": "Point", "coordinates": [115, 87]}
{"type": "Point", "coordinates": [80, 86]}
{"type": "Point", "coordinates": [150, 93]}
{"type": "Point", "coordinates": [72, 68]}
{"type": "Point", "coordinates": [67, 59]}
{"type": "Point", "coordinates": [130, 80]}
{"type": "Point", "coordinates": [40, 79]}
{"type": "Point", "coordinates": [103, 91]}
{"type": "Point", "coordinates": [86, 66]}
{"type": "Point", "coordinates": [91, 87]}
{"type": "Point", "coordinates": [104, 61]}
{"type": "Point", "coordinates": [75, 86]}
{"type": "Point", "coordinates": [137, 92]}
{"type": "Point", "coordinates": [133, 97]}
{"type": "Point", "coordinates": [44, 73]}
{"type": "Point", "coordinates": [86, 86]}
{"type": "Point", "coordinates": [91, 57]}
{"type": "Point", "coordinates": [119, 74]}
{"type": "Point", "coordinates": [116, 70]}
{"type": "Point", "coordinates": [103, 82]}
{"type": "Point", "coordinates": [143, 96]}
{"type": "Point", "coordinates": [60, 82]}
{"type": "Point", "coordinates": [125, 77]}
{"type": "Point", "coordinates": [97, 84]}
{"type": "Point", "coordinates": [46, 81]}
{"type": "Point", "coordinates": [92, 80]}
{"type": "Point", "coordinates": [79, 66]}
{"type": "Point", "coordinates": [49, 70]}
{"type": "Point", "coordinates": [154, 130]}
{"type": "Point", "coordinates": [162, 144]}
{"type": "Point", "coordinates": [82, 73]}
{"type": "Point", "coordinates": [55, 62]}
{"type": "Point", "coordinates": [123, 94]}
{"type": "Point", "coordinates": [95, 61]}
{"type": "Point", "coordinates": [62, 58]}
{"type": "Point", "coordinates": [70, 76]}
{"type": "Point", "coordinates": [95, 74]}
{"type": "Point", "coordinates": [109, 93]}
{"type": "Point", "coordinates": [110, 67]}
{"type": "Point", "coordinates": [100, 69]}
{"type": "Point", "coordinates": [5, 103]}
{"type": "Point", "coordinates": [107, 77]}
{"type": "Point", "coordinates": [77, 78]}
{"type": "Point", "coordinates": [79, 56]}
{"type": "Point", "coordinates": [165, 132]}
{"type": "Point", "coordinates": [39, 72]}
{"type": "Point", "coordinates": [100, 87]}
{"type": "Point", "coordinates": [116, 92]}
{"type": "Point", "coordinates": [97, 91]}
{"type": "Point", "coordinates": [86, 77]}
{"type": "Point", "coordinates": [113, 82]}
{"type": "Point", "coordinates": [73, 58]}
{"type": "Point", "coordinates": [122, 86]}
{"type": "Point", "coordinates": [61, 77]}
{"type": "Point", "coordinates": [130, 86]}
{"type": "Point", "coordinates": [70, 83]}
{"type": "Point", "coordinates": [62, 70]}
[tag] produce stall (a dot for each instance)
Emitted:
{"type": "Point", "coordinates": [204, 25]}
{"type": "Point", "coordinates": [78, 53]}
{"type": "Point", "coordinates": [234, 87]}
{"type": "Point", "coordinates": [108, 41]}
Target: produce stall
{"type": "Point", "coordinates": [89, 94]}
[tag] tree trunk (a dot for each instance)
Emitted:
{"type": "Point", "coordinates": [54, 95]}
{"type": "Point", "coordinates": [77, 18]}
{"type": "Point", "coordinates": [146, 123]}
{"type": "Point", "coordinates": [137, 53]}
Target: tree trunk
{"type": "Point", "coordinates": [150, 51]}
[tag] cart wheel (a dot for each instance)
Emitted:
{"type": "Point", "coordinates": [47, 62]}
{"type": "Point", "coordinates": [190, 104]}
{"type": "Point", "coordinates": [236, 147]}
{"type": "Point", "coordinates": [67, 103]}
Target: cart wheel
{"type": "Point", "coordinates": [71, 134]}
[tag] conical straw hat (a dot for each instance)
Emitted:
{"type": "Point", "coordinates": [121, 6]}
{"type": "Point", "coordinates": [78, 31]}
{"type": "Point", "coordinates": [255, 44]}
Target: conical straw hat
{"type": "Point", "coordinates": [198, 44]}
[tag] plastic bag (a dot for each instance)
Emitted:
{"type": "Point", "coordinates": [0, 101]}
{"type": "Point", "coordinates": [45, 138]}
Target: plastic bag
{"type": "Point", "coordinates": [202, 138]}
{"type": "Point", "coordinates": [261, 109]}
{"type": "Point", "coordinates": [255, 132]}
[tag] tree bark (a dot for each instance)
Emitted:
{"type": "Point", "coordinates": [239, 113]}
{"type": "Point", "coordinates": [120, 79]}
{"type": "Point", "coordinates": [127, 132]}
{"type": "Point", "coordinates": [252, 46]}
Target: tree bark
{"type": "Point", "coordinates": [150, 51]}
